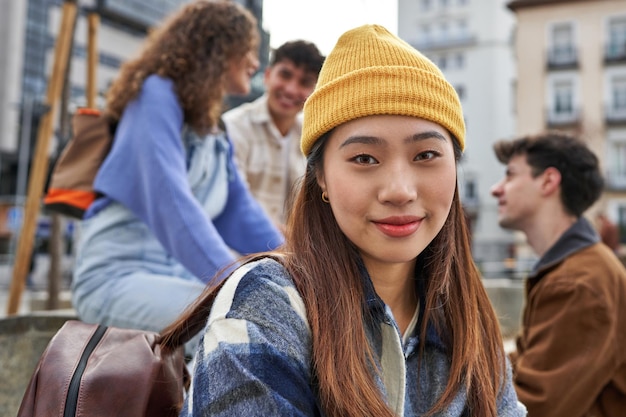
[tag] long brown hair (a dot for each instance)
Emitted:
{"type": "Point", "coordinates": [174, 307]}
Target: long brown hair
{"type": "Point", "coordinates": [193, 48]}
{"type": "Point", "coordinates": [324, 265]}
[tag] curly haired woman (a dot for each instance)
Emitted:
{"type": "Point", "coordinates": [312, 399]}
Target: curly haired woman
{"type": "Point", "coordinates": [374, 307]}
{"type": "Point", "coordinates": [173, 207]}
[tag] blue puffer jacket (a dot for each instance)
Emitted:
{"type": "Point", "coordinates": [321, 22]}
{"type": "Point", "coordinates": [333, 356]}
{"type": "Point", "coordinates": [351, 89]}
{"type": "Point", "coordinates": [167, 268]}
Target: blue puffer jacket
{"type": "Point", "coordinates": [255, 356]}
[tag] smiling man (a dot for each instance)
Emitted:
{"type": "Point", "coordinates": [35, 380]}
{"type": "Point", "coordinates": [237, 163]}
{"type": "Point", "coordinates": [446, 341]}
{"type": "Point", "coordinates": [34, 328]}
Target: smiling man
{"type": "Point", "coordinates": [571, 353]}
{"type": "Point", "coordinates": [266, 132]}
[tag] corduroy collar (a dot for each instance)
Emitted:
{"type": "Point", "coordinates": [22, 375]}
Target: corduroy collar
{"type": "Point", "coordinates": [579, 236]}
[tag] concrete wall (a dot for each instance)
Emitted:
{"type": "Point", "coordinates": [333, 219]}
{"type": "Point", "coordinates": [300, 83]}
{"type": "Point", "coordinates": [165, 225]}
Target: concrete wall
{"type": "Point", "coordinates": [507, 298]}
{"type": "Point", "coordinates": [22, 341]}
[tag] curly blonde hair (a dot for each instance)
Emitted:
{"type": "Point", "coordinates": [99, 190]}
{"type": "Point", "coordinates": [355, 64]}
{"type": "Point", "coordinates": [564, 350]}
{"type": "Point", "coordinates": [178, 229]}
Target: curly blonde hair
{"type": "Point", "coordinates": [193, 48]}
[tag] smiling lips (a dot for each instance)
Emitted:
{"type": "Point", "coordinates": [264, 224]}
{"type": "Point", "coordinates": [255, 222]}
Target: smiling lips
{"type": "Point", "coordinates": [398, 226]}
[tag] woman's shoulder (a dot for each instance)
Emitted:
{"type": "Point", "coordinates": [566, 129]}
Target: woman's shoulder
{"type": "Point", "coordinates": [157, 81]}
{"type": "Point", "coordinates": [267, 270]}
{"type": "Point", "coordinates": [260, 285]}
{"type": "Point", "coordinates": [157, 88]}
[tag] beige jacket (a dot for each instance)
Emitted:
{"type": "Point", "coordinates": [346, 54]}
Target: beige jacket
{"type": "Point", "coordinates": [267, 161]}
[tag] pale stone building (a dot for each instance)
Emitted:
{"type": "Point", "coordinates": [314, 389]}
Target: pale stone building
{"type": "Point", "coordinates": [571, 75]}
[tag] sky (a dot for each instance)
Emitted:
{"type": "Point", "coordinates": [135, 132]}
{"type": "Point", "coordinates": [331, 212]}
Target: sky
{"type": "Point", "coordinates": [323, 21]}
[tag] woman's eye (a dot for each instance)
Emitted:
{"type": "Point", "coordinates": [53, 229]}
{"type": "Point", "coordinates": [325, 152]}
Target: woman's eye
{"type": "Point", "coordinates": [426, 155]}
{"type": "Point", "coordinates": [364, 159]}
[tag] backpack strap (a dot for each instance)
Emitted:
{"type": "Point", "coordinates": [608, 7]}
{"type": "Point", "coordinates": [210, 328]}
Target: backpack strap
{"type": "Point", "coordinates": [194, 318]}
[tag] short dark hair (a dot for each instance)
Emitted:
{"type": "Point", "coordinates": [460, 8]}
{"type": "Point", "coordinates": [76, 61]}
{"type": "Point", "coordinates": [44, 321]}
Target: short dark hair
{"type": "Point", "coordinates": [301, 53]}
{"type": "Point", "coordinates": [581, 179]}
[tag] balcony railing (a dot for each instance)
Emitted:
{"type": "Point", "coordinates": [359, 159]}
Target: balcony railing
{"type": "Point", "coordinates": [615, 115]}
{"type": "Point", "coordinates": [615, 52]}
{"type": "Point", "coordinates": [562, 57]}
{"type": "Point", "coordinates": [453, 41]}
{"type": "Point", "coordinates": [563, 118]}
{"type": "Point", "coordinates": [615, 181]}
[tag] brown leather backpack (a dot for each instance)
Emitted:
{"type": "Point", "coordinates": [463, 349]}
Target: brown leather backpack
{"type": "Point", "coordinates": [90, 370]}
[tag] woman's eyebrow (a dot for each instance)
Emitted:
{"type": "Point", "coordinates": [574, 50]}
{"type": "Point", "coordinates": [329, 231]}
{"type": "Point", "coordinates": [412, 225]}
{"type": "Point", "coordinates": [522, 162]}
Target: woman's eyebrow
{"type": "Point", "coordinates": [366, 140]}
{"type": "Point", "coordinates": [425, 135]}
{"type": "Point", "coordinates": [375, 140]}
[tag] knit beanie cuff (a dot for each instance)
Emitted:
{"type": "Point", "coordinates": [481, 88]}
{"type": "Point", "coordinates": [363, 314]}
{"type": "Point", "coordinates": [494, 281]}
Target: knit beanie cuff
{"type": "Point", "coordinates": [404, 91]}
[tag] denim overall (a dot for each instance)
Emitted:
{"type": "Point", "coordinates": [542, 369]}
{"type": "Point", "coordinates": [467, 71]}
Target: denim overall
{"type": "Point", "coordinates": [123, 276]}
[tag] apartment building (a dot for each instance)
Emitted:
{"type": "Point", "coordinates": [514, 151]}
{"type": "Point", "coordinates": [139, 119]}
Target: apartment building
{"type": "Point", "coordinates": [471, 42]}
{"type": "Point", "coordinates": [571, 75]}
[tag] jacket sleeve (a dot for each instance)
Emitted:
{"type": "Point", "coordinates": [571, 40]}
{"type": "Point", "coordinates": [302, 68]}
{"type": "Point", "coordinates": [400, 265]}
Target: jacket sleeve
{"type": "Point", "coordinates": [254, 357]}
{"type": "Point", "coordinates": [566, 357]}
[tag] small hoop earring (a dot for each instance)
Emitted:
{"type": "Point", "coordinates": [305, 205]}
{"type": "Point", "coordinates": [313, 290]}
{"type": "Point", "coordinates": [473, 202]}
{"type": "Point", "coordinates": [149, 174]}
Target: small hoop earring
{"type": "Point", "coordinates": [325, 197]}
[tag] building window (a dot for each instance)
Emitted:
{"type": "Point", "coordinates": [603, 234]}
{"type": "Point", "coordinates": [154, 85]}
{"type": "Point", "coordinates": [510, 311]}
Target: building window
{"type": "Point", "coordinates": [622, 223]}
{"type": "Point", "coordinates": [425, 34]}
{"type": "Point", "coordinates": [469, 194]}
{"type": "Point", "coordinates": [562, 100]}
{"type": "Point", "coordinates": [563, 97]}
{"type": "Point", "coordinates": [460, 90]}
{"type": "Point", "coordinates": [617, 163]}
{"type": "Point", "coordinates": [562, 50]}
{"type": "Point", "coordinates": [461, 25]}
{"type": "Point", "coordinates": [459, 60]}
{"type": "Point", "coordinates": [619, 93]}
{"type": "Point", "coordinates": [562, 35]}
{"type": "Point", "coordinates": [616, 47]}
{"type": "Point", "coordinates": [616, 109]}
{"type": "Point", "coordinates": [443, 30]}
{"type": "Point", "coordinates": [470, 190]}
{"type": "Point", "coordinates": [442, 62]}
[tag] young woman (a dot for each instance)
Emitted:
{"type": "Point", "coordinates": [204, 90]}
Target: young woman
{"type": "Point", "coordinates": [374, 306]}
{"type": "Point", "coordinates": [173, 206]}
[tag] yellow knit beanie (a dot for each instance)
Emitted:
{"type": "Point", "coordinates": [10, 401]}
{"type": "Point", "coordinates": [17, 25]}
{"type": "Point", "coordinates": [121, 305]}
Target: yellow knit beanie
{"type": "Point", "coordinates": [371, 71]}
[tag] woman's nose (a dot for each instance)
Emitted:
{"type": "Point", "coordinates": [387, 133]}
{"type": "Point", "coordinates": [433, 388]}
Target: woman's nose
{"type": "Point", "coordinates": [398, 187]}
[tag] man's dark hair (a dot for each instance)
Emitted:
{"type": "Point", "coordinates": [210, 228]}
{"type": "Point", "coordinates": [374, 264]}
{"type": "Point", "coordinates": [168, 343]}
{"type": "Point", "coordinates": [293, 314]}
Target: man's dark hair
{"type": "Point", "coordinates": [301, 53]}
{"type": "Point", "coordinates": [581, 179]}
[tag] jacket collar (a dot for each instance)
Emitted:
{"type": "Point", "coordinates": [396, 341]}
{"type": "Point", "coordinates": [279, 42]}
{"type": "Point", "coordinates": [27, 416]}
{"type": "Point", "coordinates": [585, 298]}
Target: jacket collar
{"type": "Point", "coordinates": [579, 236]}
{"type": "Point", "coordinates": [261, 112]}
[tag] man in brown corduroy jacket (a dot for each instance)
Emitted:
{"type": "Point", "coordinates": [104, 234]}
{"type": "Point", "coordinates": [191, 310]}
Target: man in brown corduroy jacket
{"type": "Point", "coordinates": [571, 353]}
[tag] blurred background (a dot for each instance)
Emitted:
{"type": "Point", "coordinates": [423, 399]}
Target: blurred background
{"type": "Point", "coordinates": [518, 66]}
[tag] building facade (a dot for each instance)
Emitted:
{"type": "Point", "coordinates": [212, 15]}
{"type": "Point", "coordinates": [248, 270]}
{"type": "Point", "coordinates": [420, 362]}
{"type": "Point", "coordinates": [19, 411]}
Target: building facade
{"type": "Point", "coordinates": [471, 42]}
{"type": "Point", "coordinates": [571, 75]}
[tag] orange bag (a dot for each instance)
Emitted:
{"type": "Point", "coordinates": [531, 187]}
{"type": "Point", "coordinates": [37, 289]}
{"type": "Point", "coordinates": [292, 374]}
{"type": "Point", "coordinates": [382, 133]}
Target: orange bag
{"type": "Point", "coordinates": [70, 191]}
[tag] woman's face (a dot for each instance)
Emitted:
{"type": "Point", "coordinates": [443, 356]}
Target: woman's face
{"type": "Point", "coordinates": [390, 181]}
{"type": "Point", "coordinates": [240, 71]}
